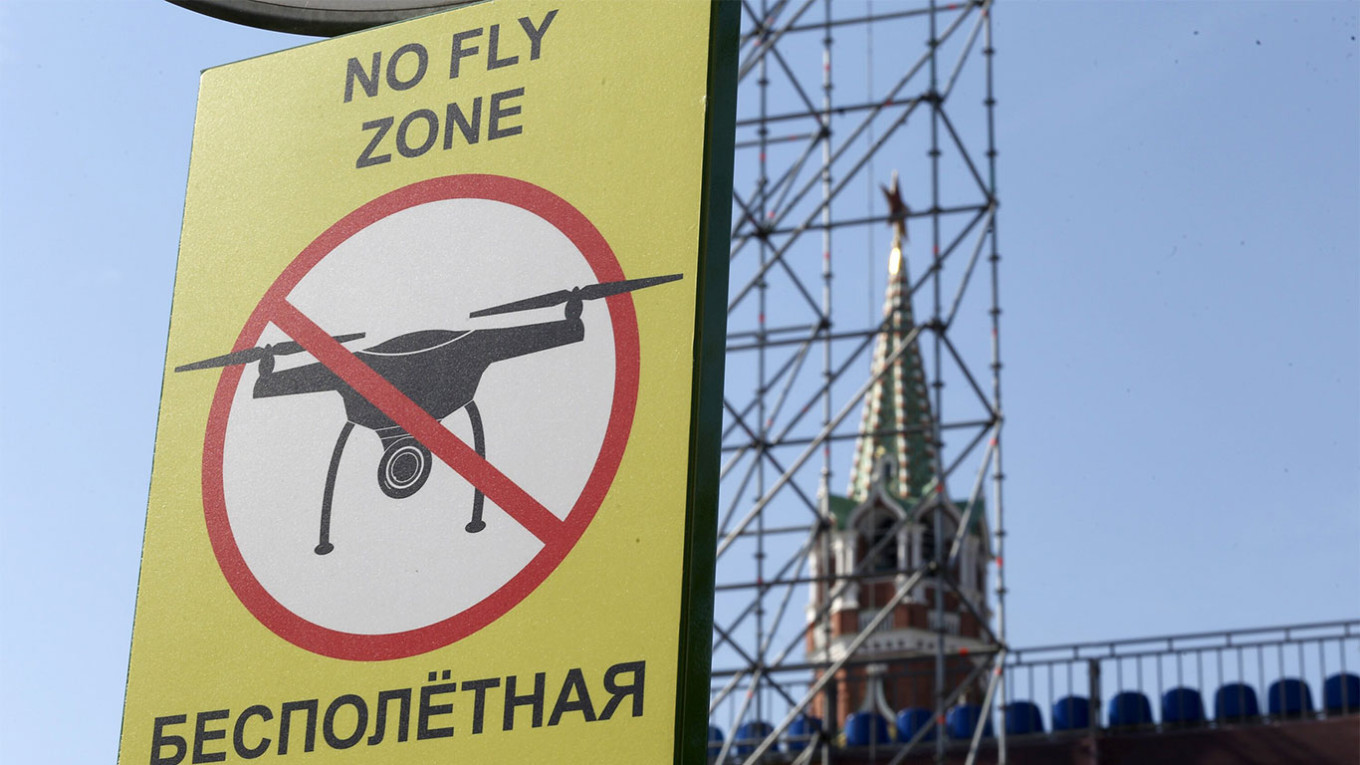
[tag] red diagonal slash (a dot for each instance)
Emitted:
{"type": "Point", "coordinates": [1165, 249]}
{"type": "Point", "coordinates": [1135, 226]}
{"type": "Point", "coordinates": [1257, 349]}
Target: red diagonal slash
{"type": "Point", "coordinates": [508, 496]}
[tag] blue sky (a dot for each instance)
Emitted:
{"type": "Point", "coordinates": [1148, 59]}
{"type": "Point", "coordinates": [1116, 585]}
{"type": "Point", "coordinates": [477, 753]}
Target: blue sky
{"type": "Point", "coordinates": [1180, 224]}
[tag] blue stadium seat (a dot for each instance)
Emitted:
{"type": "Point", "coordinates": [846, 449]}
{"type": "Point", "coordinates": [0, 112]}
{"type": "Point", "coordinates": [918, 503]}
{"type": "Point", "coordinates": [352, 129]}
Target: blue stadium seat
{"type": "Point", "coordinates": [1182, 707]}
{"type": "Point", "coordinates": [963, 718]}
{"type": "Point", "coordinates": [749, 736]}
{"type": "Point", "coordinates": [1289, 697]}
{"type": "Point", "coordinates": [1341, 693]}
{"type": "Point", "coordinates": [1129, 708]}
{"type": "Point", "coordinates": [866, 728]}
{"type": "Point", "coordinates": [1071, 713]}
{"type": "Point", "coordinates": [1236, 702]}
{"type": "Point", "coordinates": [911, 720]}
{"type": "Point", "coordinates": [800, 732]}
{"type": "Point", "coordinates": [1023, 718]}
{"type": "Point", "coordinates": [715, 741]}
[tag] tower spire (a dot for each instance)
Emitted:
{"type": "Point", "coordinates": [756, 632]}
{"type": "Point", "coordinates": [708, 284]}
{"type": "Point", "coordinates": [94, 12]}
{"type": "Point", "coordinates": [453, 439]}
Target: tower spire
{"type": "Point", "coordinates": [896, 419]}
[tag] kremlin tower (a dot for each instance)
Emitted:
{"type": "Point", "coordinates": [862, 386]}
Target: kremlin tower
{"type": "Point", "coordinates": [897, 519]}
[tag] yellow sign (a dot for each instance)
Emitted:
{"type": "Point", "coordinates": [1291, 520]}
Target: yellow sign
{"type": "Point", "coordinates": [436, 459]}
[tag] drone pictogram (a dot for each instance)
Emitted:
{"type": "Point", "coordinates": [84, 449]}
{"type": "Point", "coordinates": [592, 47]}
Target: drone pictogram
{"type": "Point", "coordinates": [437, 369]}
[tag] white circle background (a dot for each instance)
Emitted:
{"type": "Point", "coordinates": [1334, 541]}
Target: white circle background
{"type": "Point", "coordinates": [403, 564]}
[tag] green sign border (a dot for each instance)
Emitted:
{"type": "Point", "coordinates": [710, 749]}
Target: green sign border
{"type": "Point", "coordinates": [710, 340]}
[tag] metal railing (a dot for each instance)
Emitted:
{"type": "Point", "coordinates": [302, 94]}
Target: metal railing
{"type": "Point", "coordinates": [1247, 662]}
{"type": "Point", "coordinates": [1241, 663]}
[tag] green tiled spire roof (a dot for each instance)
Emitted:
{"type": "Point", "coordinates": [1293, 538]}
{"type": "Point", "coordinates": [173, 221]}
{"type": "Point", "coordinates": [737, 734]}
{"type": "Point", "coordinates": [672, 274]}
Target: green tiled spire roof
{"type": "Point", "coordinates": [897, 419]}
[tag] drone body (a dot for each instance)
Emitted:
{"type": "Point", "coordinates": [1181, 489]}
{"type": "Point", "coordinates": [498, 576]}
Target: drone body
{"type": "Point", "coordinates": [438, 370]}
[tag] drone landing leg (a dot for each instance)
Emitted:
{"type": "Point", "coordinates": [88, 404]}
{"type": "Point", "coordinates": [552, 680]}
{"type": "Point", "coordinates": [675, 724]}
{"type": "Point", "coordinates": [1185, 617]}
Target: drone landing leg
{"type": "Point", "coordinates": [478, 443]}
{"type": "Point", "coordinates": [324, 544]}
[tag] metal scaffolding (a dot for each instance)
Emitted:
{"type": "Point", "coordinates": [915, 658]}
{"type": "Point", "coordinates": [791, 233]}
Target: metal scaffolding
{"type": "Point", "coordinates": [832, 96]}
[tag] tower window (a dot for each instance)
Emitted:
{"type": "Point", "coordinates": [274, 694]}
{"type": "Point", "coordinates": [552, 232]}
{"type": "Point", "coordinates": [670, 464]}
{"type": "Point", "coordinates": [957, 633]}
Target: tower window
{"type": "Point", "coordinates": [949, 528]}
{"type": "Point", "coordinates": [880, 542]}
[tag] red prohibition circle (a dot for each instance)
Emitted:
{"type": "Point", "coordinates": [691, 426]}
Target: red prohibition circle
{"type": "Point", "coordinates": [377, 647]}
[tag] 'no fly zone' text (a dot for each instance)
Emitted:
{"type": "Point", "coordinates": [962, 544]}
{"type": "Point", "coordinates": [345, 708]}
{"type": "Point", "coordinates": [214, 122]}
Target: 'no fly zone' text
{"type": "Point", "coordinates": [495, 115]}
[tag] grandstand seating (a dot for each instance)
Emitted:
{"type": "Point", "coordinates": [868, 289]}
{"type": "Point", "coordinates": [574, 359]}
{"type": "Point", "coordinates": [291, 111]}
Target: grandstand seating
{"type": "Point", "coordinates": [1128, 709]}
{"type": "Point", "coordinates": [1236, 702]}
{"type": "Point", "coordinates": [1023, 718]}
{"type": "Point", "coordinates": [866, 729]}
{"type": "Point", "coordinates": [715, 740]}
{"type": "Point", "coordinates": [749, 736]}
{"type": "Point", "coordinates": [911, 720]}
{"type": "Point", "coordinates": [1182, 707]}
{"type": "Point", "coordinates": [1289, 697]}
{"type": "Point", "coordinates": [800, 732]}
{"type": "Point", "coordinates": [1071, 713]}
{"type": "Point", "coordinates": [1341, 693]}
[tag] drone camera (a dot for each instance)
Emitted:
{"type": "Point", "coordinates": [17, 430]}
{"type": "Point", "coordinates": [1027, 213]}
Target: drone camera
{"type": "Point", "coordinates": [403, 468]}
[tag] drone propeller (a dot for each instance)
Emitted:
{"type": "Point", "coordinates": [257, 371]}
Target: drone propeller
{"type": "Point", "coordinates": [255, 354]}
{"type": "Point", "coordinates": [589, 292]}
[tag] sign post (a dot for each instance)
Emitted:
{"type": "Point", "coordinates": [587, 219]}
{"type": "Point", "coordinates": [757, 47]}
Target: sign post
{"type": "Point", "coordinates": [436, 463]}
